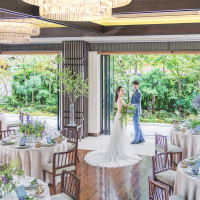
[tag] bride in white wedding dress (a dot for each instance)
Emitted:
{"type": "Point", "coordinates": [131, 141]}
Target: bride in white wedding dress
{"type": "Point", "coordinates": [117, 154]}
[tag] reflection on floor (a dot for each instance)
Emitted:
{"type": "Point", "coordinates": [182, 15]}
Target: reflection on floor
{"type": "Point", "coordinates": [147, 148]}
{"type": "Point", "coordinates": [114, 183]}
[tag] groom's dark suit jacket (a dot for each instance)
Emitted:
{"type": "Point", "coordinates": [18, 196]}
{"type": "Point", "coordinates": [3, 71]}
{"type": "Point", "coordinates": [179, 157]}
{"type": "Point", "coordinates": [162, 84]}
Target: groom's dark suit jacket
{"type": "Point", "coordinates": [136, 99]}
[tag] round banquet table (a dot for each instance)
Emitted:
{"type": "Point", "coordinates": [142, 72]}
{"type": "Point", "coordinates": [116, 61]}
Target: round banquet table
{"type": "Point", "coordinates": [30, 160]}
{"type": "Point", "coordinates": [186, 186]}
{"type": "Point", "coordinates": [25, 181]}
{"type": "Point", "coordinates": [188, 142]}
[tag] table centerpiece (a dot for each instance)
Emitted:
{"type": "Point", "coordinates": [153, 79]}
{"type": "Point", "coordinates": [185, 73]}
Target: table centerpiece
{"type": "Point", "coordinates": [33, 130]}
{"type": "Point", "coordinates": [7, 183]}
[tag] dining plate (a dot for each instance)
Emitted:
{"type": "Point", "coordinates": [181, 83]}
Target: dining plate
{"type": "Point", "coordinates": [190, 172]}
{"type": "Point", "coordinates": [7, 143]}
{"type": "Point", "coordinates": [48, 145]}
{"type": "Point", "coordinates": [22, 147]}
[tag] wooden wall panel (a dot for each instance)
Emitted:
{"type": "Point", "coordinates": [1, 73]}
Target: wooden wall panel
{"type": "Point", "coordinates": [76, 59]}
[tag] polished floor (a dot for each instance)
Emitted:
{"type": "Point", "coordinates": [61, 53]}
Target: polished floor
{"type": "Point", "coordinates": [114, 183]}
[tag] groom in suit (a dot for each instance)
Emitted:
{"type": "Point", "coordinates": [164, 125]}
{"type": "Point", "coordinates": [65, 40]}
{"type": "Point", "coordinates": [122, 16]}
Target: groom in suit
{"type": "Point", "coordinates": [136, 100]}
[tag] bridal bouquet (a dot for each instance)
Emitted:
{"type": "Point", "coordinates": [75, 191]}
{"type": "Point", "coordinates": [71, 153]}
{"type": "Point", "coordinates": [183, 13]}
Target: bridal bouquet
{"type": "Point", "coordinates": [127, 110]}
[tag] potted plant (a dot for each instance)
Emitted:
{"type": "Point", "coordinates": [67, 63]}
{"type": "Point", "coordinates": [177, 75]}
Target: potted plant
{"type": "Point", "coordinates": [74, 86]}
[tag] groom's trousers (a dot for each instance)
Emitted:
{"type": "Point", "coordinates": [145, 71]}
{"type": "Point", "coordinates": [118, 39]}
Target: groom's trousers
{"type": "Point", "coordinates": [136, 121]}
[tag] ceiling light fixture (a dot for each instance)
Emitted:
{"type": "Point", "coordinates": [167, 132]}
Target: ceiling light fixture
{"type": "Point", "coordinates": [14, 38]}
{"type": "Point", "coordinates": [120, 3]}
{"type": "Point", "coordinates": [74, 10]}
{"type": "Point", "coordinates": [18, 30]}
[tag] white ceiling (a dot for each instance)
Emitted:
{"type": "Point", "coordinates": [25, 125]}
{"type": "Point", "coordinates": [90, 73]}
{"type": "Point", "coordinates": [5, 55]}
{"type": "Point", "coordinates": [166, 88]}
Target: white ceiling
{"type": "Point", "coordinates": [108, 39]}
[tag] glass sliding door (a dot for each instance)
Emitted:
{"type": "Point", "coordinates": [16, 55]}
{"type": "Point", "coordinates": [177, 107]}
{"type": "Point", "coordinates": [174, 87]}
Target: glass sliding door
{"type": "Point", "coordinates": [106, 93]}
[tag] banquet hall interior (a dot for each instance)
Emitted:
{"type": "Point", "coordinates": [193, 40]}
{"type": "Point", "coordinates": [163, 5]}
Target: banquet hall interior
{"type": "Point", "coordinates": [61, 62]}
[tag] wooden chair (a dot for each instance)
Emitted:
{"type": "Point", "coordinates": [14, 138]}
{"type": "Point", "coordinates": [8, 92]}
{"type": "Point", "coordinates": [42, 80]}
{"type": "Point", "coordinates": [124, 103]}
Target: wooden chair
{"type": "Point", "coordinates": [61, 161]}
{"type": "Point", "coordinates": [72, 140]}
{"type": "Point", "coordinates": [162, 169]}
{"type": "Point", "coordinates": [16, 123]}
{"type": "Point", "coordinates": [5, 134]}
{"type": "Point", "coordinates": [162, 146]}
{"type": "Point", "coordinates": [70, 187]}
{"type": "Point", "coordinates": [159, 192]}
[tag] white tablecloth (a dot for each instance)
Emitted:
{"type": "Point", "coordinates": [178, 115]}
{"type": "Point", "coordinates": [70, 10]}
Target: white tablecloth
{"type": "Point", "coordinates": [3, 122]}
{"type": "Point", "coordinates": [31, 160]}
{"type": "Point", "coordinates": [186, 186]}
{"type": "Point", "coordinates": [46, 194]}
{"type": "Point", "coordinates": [189, 143]}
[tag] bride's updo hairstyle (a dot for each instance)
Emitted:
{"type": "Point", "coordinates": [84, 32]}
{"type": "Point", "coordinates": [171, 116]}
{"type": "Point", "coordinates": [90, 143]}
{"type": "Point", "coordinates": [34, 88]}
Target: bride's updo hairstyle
{"type": "Point", "coordinates": [117, 91]}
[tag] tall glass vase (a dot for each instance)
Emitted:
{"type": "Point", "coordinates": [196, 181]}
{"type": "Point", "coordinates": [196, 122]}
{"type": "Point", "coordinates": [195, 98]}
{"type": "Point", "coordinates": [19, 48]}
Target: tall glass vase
{"type": "Point", "coordinates": [71, 114]}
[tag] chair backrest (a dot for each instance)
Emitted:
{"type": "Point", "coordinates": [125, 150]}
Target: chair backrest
{"type": "Point", "coordinates": [161, 141]}
{"type": "Point", "coordinates": [70, 185]}
{"type": "Point", "coordinates": [72, 136]}
{"type": "Point", "coordinates": [21, 117]}
{"type": "Point", "coordinates": [157, 191]}
{"type": "Point", "coordinates": [161, 162]}
{"type": "Point", "coordinates": [6, 133]}
{"type": "Point", "coordinates": [64, 159]}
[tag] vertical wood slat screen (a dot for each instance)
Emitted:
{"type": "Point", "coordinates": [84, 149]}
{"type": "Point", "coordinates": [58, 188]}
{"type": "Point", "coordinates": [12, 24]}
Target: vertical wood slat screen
{"type": "Point", "coordinates": [76, 59]}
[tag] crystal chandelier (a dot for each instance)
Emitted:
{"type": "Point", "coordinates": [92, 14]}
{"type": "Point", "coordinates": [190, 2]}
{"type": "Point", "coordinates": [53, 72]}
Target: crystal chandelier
{"type": "Point", "coordinates": [19, 27]}
{"type": "Point", "coordinates": [100, 9]}
{"type": "Point", "coordinates": [74, 10]}
{"type": "Point", "coordinates": [14, 38]}
{"type": "Point", "coordinates": [77, 10]}
{"type": "Point", "coordinates": [120, 3]}
{"type": "Point", "coordinates": [18, 30]}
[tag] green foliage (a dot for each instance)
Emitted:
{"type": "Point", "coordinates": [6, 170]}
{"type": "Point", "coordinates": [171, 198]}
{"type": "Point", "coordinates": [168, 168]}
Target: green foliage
{"type": "Point", "coordinates": [167, 82]}
{"type": "Point", "coordinates": [73, 84]}
{"type": "Point", "coordinates": [194, 123]}
{"type": "Point", "coordinates": [34, 84]}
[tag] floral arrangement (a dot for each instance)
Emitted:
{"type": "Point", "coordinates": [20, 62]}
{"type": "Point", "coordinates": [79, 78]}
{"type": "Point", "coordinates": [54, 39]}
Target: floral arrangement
{"type": "Point", "coordinates": [127, 110]}
{"type": "Point", "coordinates": [33, 127]}
{"type": "Point", "coordinates": [6, 178]}
{"type": "Point", "coordinates": [34, 182]}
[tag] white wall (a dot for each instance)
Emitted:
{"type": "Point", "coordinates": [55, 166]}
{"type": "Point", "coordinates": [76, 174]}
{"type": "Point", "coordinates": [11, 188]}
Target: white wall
{"type": "Point", "coordinates": [94, 96]}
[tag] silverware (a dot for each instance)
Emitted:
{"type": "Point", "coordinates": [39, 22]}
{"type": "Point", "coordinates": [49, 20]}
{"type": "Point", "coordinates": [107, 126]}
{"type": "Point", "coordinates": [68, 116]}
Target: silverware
{"type": "Point", "coordinates": [37, 196]}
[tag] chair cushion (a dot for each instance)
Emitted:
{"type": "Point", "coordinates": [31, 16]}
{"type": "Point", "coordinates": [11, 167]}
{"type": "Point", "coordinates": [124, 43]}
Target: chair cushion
{"type": "Point", "coordinates": [173, 148]}
{"type": "Point", "coordinates": [176, 197]}
{"type": "Point", "coordinates": [159, 149]}
{"type": "Point", "coordinates": [49, 168]}
{"type": "Point", "coordinates": [61, 196]}
{"type": "Point", "coordinates": [70, 145]}
{"type": "Point", "coordinates": [13, 123]}
{"type": "Point", "coordinates": [167, 177]}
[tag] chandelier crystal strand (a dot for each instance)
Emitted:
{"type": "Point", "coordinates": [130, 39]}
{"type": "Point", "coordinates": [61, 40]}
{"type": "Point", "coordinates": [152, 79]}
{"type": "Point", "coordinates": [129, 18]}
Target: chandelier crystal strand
{"type": "Point", "coordinates": [120, 3]}
{"type": "Point", "coordinates": [14, 38]}
{"type": "Point", "coordinates": [91, 10]}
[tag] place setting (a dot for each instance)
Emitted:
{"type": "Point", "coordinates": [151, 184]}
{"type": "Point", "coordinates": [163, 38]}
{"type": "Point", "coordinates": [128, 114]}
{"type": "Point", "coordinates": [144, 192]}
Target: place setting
{"type": "Point", "coordinates": [14, 185]}
{"type": "Point", "coordinates": [191, 167]}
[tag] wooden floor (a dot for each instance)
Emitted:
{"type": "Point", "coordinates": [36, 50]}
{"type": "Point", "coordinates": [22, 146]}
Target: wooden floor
{"type": "Point", "coordinates": [114, 183]}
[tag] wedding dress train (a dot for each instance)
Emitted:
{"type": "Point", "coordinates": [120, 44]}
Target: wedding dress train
{"type": "Point", "coordinates": [117, 154]}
